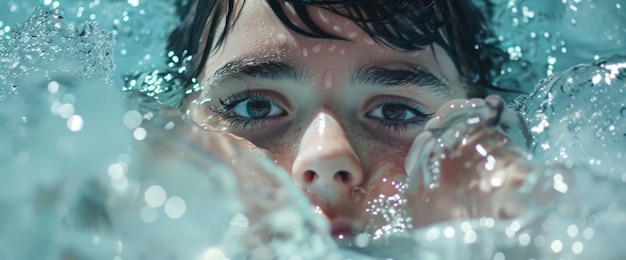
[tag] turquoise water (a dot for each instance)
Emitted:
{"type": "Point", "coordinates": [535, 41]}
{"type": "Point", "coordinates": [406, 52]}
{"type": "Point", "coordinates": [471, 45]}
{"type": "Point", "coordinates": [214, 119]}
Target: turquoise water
{"type": "Point", "coordinates": [89, 174]}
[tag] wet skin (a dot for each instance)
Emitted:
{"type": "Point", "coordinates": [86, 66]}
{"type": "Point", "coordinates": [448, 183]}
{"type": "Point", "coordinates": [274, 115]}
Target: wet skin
{"type": "Point", "coordinates": [341, 116]}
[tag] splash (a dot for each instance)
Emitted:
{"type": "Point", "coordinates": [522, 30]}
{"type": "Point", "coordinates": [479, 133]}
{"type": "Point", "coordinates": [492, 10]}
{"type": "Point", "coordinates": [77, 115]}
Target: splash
{"type": "Point", "coordinates": [132, 180]}
{"type": "Point", "coordinates": [577, 116]}
{"type": "Point", "coordinates": [44, 44]}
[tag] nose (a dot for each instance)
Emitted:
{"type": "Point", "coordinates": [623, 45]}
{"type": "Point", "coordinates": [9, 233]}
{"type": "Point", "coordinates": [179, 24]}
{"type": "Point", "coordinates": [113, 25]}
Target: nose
{"type": "Point", "coordinates": [326, 163]}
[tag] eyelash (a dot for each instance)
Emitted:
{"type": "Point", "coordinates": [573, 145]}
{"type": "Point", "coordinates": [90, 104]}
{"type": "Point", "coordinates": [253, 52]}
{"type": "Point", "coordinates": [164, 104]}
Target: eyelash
{"type": "Point", "coordinates": [401, 127]}
{"type": "Point", "coordinates": [234, 100]}
{"type": "Point", "coordinates": [227, 105]}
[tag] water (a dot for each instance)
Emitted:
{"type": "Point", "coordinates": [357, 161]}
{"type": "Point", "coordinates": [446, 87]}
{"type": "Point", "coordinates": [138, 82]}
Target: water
{"type": "Point", "coordinates": [90, 173]}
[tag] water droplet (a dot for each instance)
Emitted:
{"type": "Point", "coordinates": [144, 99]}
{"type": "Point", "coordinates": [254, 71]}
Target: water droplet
{"type": "Point", "coordinates": [53, 87]}
{"type": "Point", "coordinates": [556, 246]}
{"type": "Point", "coordinates": [362, 240]}
{"type": "Point", "coordinates": [66, 110]}
{"type": "Point", "coordinates": [155, 196]}
{"type": "Point", "coordinates": [316, 48]}
{"type": "Point", "coordinates": [175, 207]}
{"type": "Point", "coordinates": [281, 37]}
{"type": "Point", "coordinates": [577, 247]}
{"type": "Point", "coordinates": [328, 80]}
{"type": "Point", "coordinates": [214, 253]}
{"type": "Point", "coordinates": [75, 123]}
{"type": "Point", "coordinates": [139, 133]}
{"type": "Point", "coordinates": [499, 256]}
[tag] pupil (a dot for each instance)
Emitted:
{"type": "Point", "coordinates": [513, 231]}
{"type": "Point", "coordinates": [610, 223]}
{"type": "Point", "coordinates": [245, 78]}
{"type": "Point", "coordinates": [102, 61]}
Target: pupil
{"type": "Point", "coordinates": [258, 108]}
{"type": "Point", "coordinates": [395, 112]}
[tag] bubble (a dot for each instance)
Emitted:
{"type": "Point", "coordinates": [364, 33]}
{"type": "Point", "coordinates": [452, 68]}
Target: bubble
{"type": "Point", "coordinates": [524, 239]}
{"type": "Point", "coordinates": [139, 133]}
{"type": "Point", "coordinates": [120, 183]}
{"type": "Point", "coordinates": [473, 120]}
{"type": "Point", "coordinates": [239, 224]}
{"type": "Point", "coordinates": [68, 98]}
{"type": "Point", "coordinates": [214, 254]}
{"type": "Point", "coordinates": [155, 196]}
{"type": "Point", "coordinates": [175, 207]}
{"type": "Point", "coordinates": [53, 87]}
{"type": "Point", "coordinates": [361, 240]}
{"type": "Point", "coordinates": [577, 247]}
{"type": "Point", "coordinates": [481, 150]}
{"type": "Point", "coordinates": [449, 232]}
{"type": "Point", "coordinates": [148, 214]}
{"type": "Point", "coordinates": [470, 237]}
{"type": "Point", "coordinates": [432, 234]}
{"type": "Point", "coordinates": [132, 119]}
{"type": "Point", "coordinates": [499, 256]}
{"type": "Point", "coordinates": [75, 123]}
{"type": "Point", "coordinates": [66, 110]}
{"type": "Point", "coordinates": [556, 246]}
{"type": "Point", "coordinates": [572, 231]}
{"type": "Point", "coordinates": [588, 233]}
{"type": "Point", "coordinates": [115, 170]}
{"type": "Point", "coordinates": [539, 241]}
{"type": "Point", "coordinates": [133, 3]}
{"type": "Point", "coordinates": [496, 182]}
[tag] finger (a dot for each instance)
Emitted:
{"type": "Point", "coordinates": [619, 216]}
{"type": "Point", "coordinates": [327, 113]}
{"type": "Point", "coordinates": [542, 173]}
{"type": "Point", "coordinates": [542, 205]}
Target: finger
{"type": "Point", "coordinates": [496, 105]}
{"type": "Point", "coordinates": [419, 145]}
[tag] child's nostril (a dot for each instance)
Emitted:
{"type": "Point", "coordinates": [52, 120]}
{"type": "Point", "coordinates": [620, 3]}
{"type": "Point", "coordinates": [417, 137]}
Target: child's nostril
{"type": "Point", "coordinates": [309, 176]}
{"type": "Point", "coordinates": [343, 175]}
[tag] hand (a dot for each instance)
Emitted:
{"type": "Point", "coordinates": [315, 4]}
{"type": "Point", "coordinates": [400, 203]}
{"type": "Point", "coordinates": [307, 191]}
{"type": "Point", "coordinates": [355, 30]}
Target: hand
{"type": "Point", "coordinates": [464, 165]}
{"type": "Point", "coordinates": [219, 176]}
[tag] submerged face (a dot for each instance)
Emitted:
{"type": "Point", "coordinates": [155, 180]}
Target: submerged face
{"type": "Point", "coordinates": [339, 115]}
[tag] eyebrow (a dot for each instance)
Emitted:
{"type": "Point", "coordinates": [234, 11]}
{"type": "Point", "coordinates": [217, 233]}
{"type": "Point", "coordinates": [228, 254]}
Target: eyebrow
{"type": "Point", "coordinates": [256, 68]}
{"type": "Point", "coordinates": [399, 77]}
{"type": "Point", "coordinates": [273, 69]}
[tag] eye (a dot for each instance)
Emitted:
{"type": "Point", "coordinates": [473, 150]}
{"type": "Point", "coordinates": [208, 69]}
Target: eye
{"type": "Point", "coordinates": [395, 112]}
{"type": "Point", "coordinates": [257, 108]}
{"type": "Point", "coordinates": [250, 109]}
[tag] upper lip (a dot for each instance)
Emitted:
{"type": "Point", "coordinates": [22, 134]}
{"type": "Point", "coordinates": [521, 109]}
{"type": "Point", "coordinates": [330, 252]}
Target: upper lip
{"type": "Point", "coordinates": [344, 226]}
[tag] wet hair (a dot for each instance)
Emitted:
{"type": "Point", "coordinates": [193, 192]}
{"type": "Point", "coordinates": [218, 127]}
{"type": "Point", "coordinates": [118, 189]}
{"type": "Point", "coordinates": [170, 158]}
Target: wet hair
{"type": "Point", "coordinates": [457, 26]}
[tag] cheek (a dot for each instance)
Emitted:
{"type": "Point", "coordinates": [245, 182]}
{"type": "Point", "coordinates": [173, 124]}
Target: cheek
{"type": "Point", "coordinates": [386, 170]}
{"type": "Point", "coordinates": [282, 149]}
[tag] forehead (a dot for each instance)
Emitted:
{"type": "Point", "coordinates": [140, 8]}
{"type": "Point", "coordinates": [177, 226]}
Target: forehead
{"type": "Point", "coordinates": [259, 33]}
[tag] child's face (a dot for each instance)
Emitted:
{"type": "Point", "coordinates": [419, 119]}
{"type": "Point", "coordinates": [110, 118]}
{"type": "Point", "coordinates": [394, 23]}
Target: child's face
{"type": "Point", "coordinates": [339, 115]}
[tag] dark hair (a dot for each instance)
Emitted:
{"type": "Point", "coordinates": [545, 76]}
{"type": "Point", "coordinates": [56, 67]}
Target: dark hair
{"type": "Point", "coordinates": [405, 25]}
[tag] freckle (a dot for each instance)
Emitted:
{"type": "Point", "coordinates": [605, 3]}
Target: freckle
{"type": "Point", "coordinates": [332, 48]}
{"type": "Point", "coordinates": [305, 53]}
{"type": "Point", "coordinates": [316, 48]}
{"type": "Point", "coordinates": [368, 40]}
{"type": "Point", "coordinates": [336, 28]}
{"type": "Point", "coordinates": [328, 80]}
{"type": "Point", "coordinates": [352, 34]}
